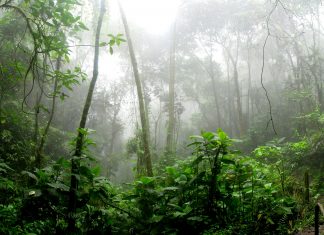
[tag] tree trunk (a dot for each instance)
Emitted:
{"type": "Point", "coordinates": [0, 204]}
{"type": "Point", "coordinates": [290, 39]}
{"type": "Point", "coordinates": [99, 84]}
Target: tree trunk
{"type": "Point", "coordinates": [39, 153]}
{"type": "Point", "coordinates": [249, 90]}
{"type": "Point", "coordinates": [213, 180]}
{"type": "Point", "coordinates": [36, 127]}
{"type": "Point", "coordinates": [156, 128]}
{"type": "Point", "coordinates": [231, 121]}
{"type": "Point", "coordinates": [36, 124]}
{"type": "Point", "coordinates": [144, 121]}
{"type": "Point", "coordinates": [238, 95]}
{"type": "Point", "coordinates": [114, 132]}
{"type": "Point", "coordinates": [212, 76]}
{"type": "Point", "coordinates": [171, 123]}
{"type": "Point", "coordinates": [203, 112]}
{"type": "Point", "coordinates": [79, 143]}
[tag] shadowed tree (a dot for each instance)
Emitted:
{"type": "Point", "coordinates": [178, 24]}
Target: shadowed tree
{"type": "Point", "coordinates": [170, 148]}
{"type": "Point", "coordinates": [80, 137]}
{"type": "Point", "coordinates": [144, 120]}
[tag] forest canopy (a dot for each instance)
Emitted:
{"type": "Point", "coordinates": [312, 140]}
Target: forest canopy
{"type": "Point", "coordinates": [161, 117]}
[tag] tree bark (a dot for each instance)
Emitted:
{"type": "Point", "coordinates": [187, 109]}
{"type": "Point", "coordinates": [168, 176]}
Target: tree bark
{"type": "Point", "coordinates": [144, 121]}
{"type": "Point", "coordinates": [79, 143]}
{"type": "Point", "coordinates": [213, 80]}
{"type": "Point", "coordinates": [114, 132]}
{"type": "Point", "coordinates": [171, 123]}
{"type": "Point", "coordinates": [248, 99]}
{"type": "Point", "coordinates": [238, 95]}
{"type": "Point", "coordinates": [39, 153]}
{"type": "Point", "coordinates": [229, 105]}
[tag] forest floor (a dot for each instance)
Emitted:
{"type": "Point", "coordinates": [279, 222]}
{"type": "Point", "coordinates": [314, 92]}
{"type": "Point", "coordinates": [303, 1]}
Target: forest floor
{"type": "Point", "coordinates": [311, 230]}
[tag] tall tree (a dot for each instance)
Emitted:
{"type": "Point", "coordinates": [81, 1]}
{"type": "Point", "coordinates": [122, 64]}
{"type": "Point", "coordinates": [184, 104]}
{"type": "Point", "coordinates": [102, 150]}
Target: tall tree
{"type": "Point", "coordinates": [170, 148]}
{"type": "Point", "coordinates": [40, 147]}
{"type": "Point", "coordinates": [234, 61]}
{"type": "Point", "coordinates": [144, 120]}
{"type": "Point", "coordinates": [79, 142]}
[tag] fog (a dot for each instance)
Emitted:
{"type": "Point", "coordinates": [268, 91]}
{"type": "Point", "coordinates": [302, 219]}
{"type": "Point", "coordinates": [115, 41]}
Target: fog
{"type": "Point", "coordinates": [234, 63]}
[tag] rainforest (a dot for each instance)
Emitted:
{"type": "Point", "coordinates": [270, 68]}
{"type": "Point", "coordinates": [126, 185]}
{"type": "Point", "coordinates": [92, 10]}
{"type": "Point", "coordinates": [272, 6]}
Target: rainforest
{"type": "Point", "coordinates": [157, 117]}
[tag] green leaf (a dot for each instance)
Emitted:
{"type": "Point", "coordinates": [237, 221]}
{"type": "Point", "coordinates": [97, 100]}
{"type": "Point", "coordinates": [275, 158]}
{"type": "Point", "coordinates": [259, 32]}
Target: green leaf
{"type": "Point", "coordinates": [178, 214]}
{"type": "Point", "coordinates": [287, 209]}
{"type": "Point", "coordinates": [146, 180]}
{"type": "Point", "coordinates": [67, 59]}
{"type": "Point", "coordinates": [83, 131]}
{"type": "Point", "coordinates": [196, 218]}
{"type": "Point", "coordinates": [157, 218]}
{"type": "Point", "coordinates": [182, 179]}
{"type": "Point", "coordinates": [112, 42]}
{"type": "Point", "coordinates": [208, 135]}
{"type": "Point", "coordinates": [82, 26]}
{"type": "Point", "coordinates": [102, 44]}
{"type": "Point", "coordinates": [170, 189]}
{"type": "Point", "coordinates": [194, 143]}
{"type": "Point", "coordinates": [60, 186]}
{"type": "Point", "coordinates": [198, 160]}
{"type": "Point", "coordinates": [85, 171]}
{"type": "Point", "coordinates": [268, 185]}
{"type": "Point", "coordinates": [131, 197]}
{"type": "Point", "coordinates": [171, 170]}
{"type": "Point", "coordinates": [96, 171]}
{"type": "Point", "coordinates": [196, 137]}
{"type": "Point", "coordinates": [221, 134]}
{"type": "Point", "coordinates": [187, 209]}
{"type": "Point", "coordinates": [228, 161]}
{"type": "Point", "coordinates": [31, 175]}
{"type": "Point", "coordinates": [5, 166]}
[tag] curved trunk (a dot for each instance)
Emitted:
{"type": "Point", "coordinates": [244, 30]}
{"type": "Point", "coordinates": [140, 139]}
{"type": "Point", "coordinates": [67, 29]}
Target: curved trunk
{"type": "Point", "coordinates": [144, 121]}
{"type": "Point", "coordinates": [79, 143]}
{"type": "Point", "coordinates": [39, 153]}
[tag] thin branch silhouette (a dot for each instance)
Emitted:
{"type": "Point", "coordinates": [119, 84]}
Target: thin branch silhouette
{"type": "Point", "coordinates": [262, 69]}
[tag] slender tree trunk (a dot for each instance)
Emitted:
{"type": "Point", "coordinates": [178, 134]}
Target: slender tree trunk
{"type": "Point", "coordinates": [213, 180]}
{"type": "Point", "coordinates": [39, 154]}
{"type": "Point", "coordinates": [114, 132]}
{"type": "Point", "coordinates": [238, 96]}
{"type": "Point", "coordinates": [203, 113]}
{"type": "Point", "coordinates": [249, 90]}
{"type": "Point", "coordinates": [1, 98]}
{"type": "Point", "coordinates": [213, 80]}
{"type": "Point", "coordinates": [171, 123]}
{"type": "Point", "coordinates": [230, 110]}
{"type": "Point", "coordinates": [211, 73]}
{"type": "Point", "coordinates": [319, 84]}
{"type": "Point", "coordinates": [177, 129]}
{"type": "Point", "coordinates": [144, 121]}
{"type": "Point", "coordinates": [36, 124]}
{"type": "Point", "coordinates": [79, 142]}
{"type": "Point", "coordinates": [1, 90]}
{"type": "Point", "coordinates": [297, 72]}
{"type": "Point", "coordinates": [156, 127]}
{"type": "Point", "coordinates": [146, 105]}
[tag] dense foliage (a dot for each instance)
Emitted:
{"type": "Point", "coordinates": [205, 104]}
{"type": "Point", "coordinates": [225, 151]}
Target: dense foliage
{"type": "Point", "coordinates": [215, 191]}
